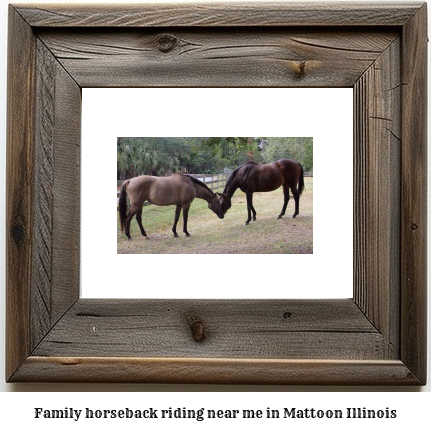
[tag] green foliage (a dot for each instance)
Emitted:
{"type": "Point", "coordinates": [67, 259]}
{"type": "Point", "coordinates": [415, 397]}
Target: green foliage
{"type": "Point", "coordinates": [237, 150]}
{"type": "Point", "coordinates": [151, 156]}
{"type": "Point", "coordinates": [299, 149]}
{"type": "Point", "coordinates": [161, 156]}
{"type": "Point", "coordinates": [227, 145]}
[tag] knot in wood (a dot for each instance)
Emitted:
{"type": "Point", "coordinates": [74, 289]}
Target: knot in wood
{"type": "Point", "coordinates": [18, 233]}
{"type": "Point", "coordinates": [414, 226]}
{"type": "Point", "coordinates": [197, 328]}
{"type": "Point", "coordinates": [300, 69]}
{"type": "Point", "coordinates": [167, 42]}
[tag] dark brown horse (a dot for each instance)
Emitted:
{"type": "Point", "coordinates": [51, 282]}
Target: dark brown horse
{"type": "Point", "coordinates": [179, 190]}
{"type": "Point", "coordinates": [254, 177]}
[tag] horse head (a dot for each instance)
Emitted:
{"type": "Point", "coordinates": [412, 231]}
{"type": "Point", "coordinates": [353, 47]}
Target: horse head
{"type": "Point", "coordinates": [225, 202]}
{"type": "Point", "coordinates": [215, 206]}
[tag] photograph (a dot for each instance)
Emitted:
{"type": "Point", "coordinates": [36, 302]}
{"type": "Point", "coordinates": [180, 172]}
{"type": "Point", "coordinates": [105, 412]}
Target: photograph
{"type": "Point", "coordinates": [166, 185]}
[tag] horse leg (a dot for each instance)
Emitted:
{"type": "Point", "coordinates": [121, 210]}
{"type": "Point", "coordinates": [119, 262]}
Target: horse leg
{"type": "Point", "coordinates": [286, 201]}
{"type": "Point", "coordinates": [185, 217]}
{"type": "Point", "coordinates": [177, 216]}
{"type": "Point", "coordinates": [139, 220]}
{"type": "Point", "coordinates": [250, 208]}
{"type": "Point", "coordinates": [296, 197]}
{"type": "Point", "coordinates": [133, 210]}
{"type": "Point", "coordinates": [254, 212]}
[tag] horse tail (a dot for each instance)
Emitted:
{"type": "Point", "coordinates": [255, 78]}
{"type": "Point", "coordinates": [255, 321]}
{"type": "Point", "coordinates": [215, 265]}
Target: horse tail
{"type": "Point", "coordinates": [122, 204]}
{"type": "Point", "coordinates": [301, 180]}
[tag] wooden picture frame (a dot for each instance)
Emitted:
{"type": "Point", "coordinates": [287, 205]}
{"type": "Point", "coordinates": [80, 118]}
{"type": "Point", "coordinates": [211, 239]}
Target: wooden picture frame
{"type": "Point", "coordinates": [378, 337]}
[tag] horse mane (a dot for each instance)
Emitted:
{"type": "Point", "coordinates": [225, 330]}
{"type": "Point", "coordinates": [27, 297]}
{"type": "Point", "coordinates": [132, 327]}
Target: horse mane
{"type": "Point", "coordinates": [200, 183]}
{"type": "Point", "coordinates": [244, 168]}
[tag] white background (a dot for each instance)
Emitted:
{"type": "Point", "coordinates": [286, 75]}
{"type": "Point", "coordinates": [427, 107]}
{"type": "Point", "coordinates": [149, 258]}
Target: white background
{"type": "Point", "coordinates": [17, 408]}
{"type": "Point", "coordinates": [324, 114]}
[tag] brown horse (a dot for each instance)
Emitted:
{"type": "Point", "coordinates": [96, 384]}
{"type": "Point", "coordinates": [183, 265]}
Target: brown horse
{"type": "Point", "coordinates": [254, 177]}
{"type": "Point", "coordinates": [179, 190]}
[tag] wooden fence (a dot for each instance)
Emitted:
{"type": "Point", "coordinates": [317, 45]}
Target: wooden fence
{"type": "Point", "coordinates": [214, 182]}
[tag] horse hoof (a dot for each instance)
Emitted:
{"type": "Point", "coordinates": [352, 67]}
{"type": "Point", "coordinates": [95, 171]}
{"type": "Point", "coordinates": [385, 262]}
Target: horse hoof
{"type": "Point", "coordinates": [279, 217]}
{"type": "Point", "coordinates": [187, 234]}
{"type": "Point", "coordinates": [254, 218]}
{"type": "Point", "coordinates": [246, 223]}
{"type": "Point", "coordinates": [129, 238]}
{"type": "Point", "coordinates": [175, 235]}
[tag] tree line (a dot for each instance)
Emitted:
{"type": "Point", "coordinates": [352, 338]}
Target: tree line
{"type": "Point", "coordinates": [202, 155]}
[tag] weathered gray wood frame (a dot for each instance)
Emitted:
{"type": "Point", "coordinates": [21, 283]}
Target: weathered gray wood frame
{"type": "Point", "coordinates": [378, 337]}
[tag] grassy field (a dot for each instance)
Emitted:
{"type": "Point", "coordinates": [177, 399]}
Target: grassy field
{"type": "Point", "coordinates": [210, 235]}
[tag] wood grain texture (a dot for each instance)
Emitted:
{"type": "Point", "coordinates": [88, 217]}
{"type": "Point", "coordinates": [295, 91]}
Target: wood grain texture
{"type": "Point", "coordinates": [220, 14]}
{"type": "Point", "coordinates": [215, 58]}
{"type": "Point", "coordinates": [19, 198]}
{"type": "Point", "coordinates": [215, 371]}
{"type": "Point", "coordinates": [377, 146]}
{"type": "Point", "coordinates": [43, 194]}
{"type": "Point", "coordinates": [55, 278]}
{"type": "Point", "coordinates": [414, 195]}
{"type": "Point", "coordinates": [268, 329]}
{"type": "Point", "coordinates": [54, 336]}
{"type": "Point", "coordinates": [66, 188]}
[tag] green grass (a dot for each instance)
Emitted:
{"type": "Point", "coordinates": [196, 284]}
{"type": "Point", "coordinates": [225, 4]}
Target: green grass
{"type": "Point", "coordinates": [210, 235]}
